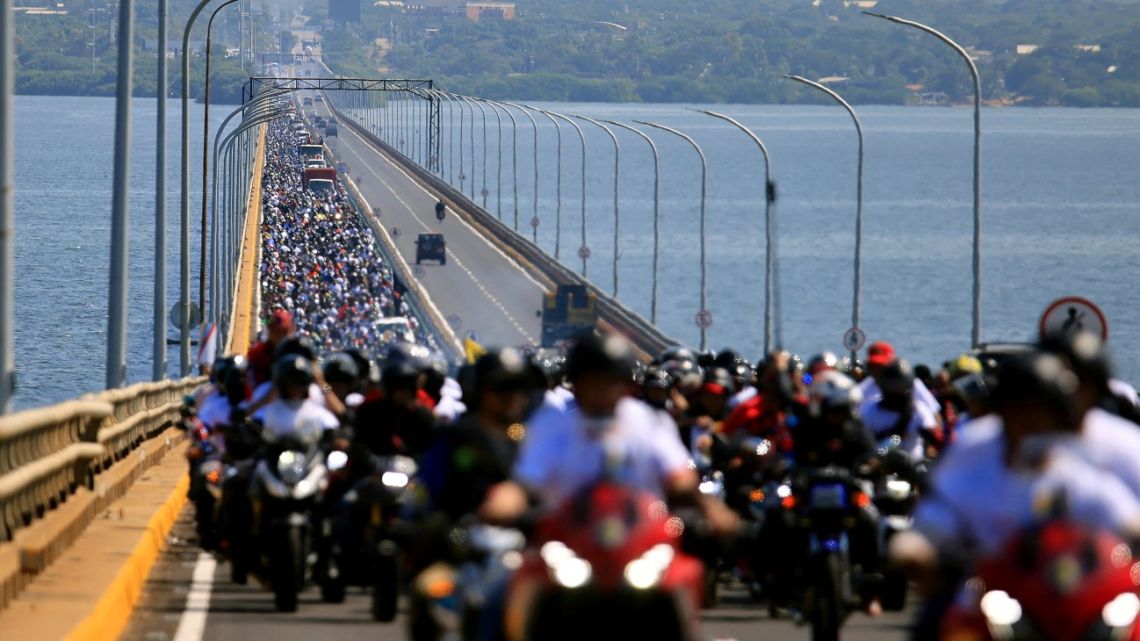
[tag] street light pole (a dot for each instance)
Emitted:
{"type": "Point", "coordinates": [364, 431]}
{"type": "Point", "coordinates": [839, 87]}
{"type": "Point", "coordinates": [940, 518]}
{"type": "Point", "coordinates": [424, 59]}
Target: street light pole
{"type": "Point", "coordinates": [855, 307]}
{"type": "Point", "coordinates": [656, 210]}
{"type": "Point", "coordinates": [976, 332]}
{"type": "Point", "coordinates": [116, 365]}
{"type": "Point", "coordinates": [205, 157]}
{"type": "Point", "coordinates": [704, 263]}
{"type": "Point", "coordinates": [770, 255]}
{"type": "Point", "coordinates": [158, 358]}
{"type": "Point", "coordinates": [498, 159]}
{"type": "Point", "coordinates": [584, 250]}
{"type": "Point", "coordinates": [558, 182]}
{"type": "Point", "coordinates": [534, 125]}
{"type": "Point", "coordinates": [7, 205]}
{"type": "Point", "coordinates": [185, 184]}
{"type": "Point", "coordinates": [482, 111]}
{"type": "Point", "coordinates": [617, 175]}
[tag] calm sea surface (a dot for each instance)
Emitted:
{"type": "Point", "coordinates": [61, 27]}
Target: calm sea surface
{"type": "Point", "coordinates": [1061, 208]}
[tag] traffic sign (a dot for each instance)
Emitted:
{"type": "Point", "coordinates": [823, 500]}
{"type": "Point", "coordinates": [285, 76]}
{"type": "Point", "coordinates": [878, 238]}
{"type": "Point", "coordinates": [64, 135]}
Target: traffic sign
{"type": "Point", "coordinates": [375, 211]}
{"type": "Point", "coordinates": [395, 232]}
{"type": "Point", "coordinates": [455, 322]}
{"type": "Point", "coordinates": [853, 339]}
{"type": "Point", "coordinates": [704, 319]}
{"type": "Point", "coordinates": [471, 336]}
{"type": "Point", "coordinates": [583, 252]}
{"type": "Point", "coordinates": [534, 222]}
{"type": "Point", "coordinates": [176, 315]}
{"type": "Point", "coordinates": [1073, 314]}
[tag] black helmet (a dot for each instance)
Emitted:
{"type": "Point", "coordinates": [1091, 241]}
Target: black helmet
{"type": "Point", "coordinates": [1085, 355]}
{"type": "Point", "coordinates": [1038, 377]}
{"type": "Point", "coordinates": [340, 368]}
{"type": "Point", "coordinates": [417, 355]}
{"type": "Point", "coordinates": [501, 369]}
{"type": "Point", "coordinates": [719, 377]}
{"type": "Point", "coordinates": [593, 354]}
{"type": "Point", "coordinates": [822, 361]}
{"type": "Point", "coordinates": [727, 359]}
{"type": "Point", "coordinates": [366, 371]}
{"type": "Point", "coordinates": [292, 369]}
{"type": "Point", "coordinates": [231, 378]}
{"type": "Point", "coordinates": [657, 377]}
{"type": "Point", "coordinates": [301, 345]}
{"type": "Point", "coordinates": [897, 378]}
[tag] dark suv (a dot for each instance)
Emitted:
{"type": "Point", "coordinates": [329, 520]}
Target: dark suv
{"type": "Point", "coordinates": [431, 247]}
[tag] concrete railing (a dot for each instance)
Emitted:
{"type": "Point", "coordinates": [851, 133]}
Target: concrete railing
{"type": "Point", "coordinates": [48, 453]}
{"type": "Point", "coordinates": [611, 313]}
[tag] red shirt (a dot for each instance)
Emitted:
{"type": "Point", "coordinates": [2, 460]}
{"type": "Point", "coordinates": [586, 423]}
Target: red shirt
{"type": "Point", "coordinates": [756, 419]}
{"type": "Point", "coordinates": [260, 359]}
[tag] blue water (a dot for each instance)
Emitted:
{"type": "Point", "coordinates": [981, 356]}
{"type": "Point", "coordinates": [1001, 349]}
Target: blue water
{"type": "Point", "coordinates": [1061, 208]}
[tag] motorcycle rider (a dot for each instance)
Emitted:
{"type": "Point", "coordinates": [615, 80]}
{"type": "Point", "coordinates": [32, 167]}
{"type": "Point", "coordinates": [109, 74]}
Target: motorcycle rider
{"type": "Point", "coordinates": [1002, 476]}
{"type": "Point", "coordinates": [396, 422]}
{"type": "Point", "coordinates": [261, 354]}
{"type": "Point", "coordinates": [440, 210]}
{"type": "Point", "coordinates": [897, 413]}
{"type": "Point", "coordinates": [294, 411]}
{"type": "Point", "coordinates": [880, 354]}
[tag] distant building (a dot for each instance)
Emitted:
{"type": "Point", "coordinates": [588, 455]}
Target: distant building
{"type": "Point", "coordinates": [436, 7]}
{"type": "Point", "coordinates": [1025, 50]}
{"type": "Point", "coordinates": [344, 10]}
{"type": "Point", "coordinates": [933, 99]}
{"type": "Point", "coordinates": [980, 55]}
{"type": "Point", "coordinates": [1087, 48]}
{"type": "Point", "coordinates": [476, 11]}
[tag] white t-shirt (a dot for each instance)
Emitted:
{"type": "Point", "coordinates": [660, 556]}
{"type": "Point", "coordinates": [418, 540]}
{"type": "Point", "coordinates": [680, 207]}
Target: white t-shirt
{"type": "Point", "coordinates": [215, 410]}
{"type": "Point", "coordinates": [879, 421]}
{"type": "Point", "coordinates": [745, 394]}
{"type": "Point", "coordinates": [450, 406]}
{"type": "Point", "coordinates": [306, 419]}
{"type": "Point", "coordinates": [872, 394]}
{"type": "Point", "coordinates": [261, 391]}
{"type": "Point", "coordinates": [976, 499]}
{"type": "Point", "coordinates": [564, 452]}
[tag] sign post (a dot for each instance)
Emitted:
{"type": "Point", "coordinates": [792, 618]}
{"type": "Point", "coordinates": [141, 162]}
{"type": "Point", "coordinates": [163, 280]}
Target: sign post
{"type": "Point", "coordinates": [1071, 314]}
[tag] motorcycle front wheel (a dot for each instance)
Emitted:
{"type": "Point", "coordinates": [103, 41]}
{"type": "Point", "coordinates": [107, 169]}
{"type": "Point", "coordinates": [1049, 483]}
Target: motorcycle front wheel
{"type": "Point", "coordinates": [385, 586]}
{"type": "Point", "coordinates": [288, 569]}
{"type": "Point", "coordinates": [827, 598]}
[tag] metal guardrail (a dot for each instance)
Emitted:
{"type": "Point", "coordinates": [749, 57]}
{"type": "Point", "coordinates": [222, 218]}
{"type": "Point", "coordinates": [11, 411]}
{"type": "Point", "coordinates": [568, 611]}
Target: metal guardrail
{"type": "Point", "coordinates": [611, 312]}
{"type": "Point", "coordinates": [48, 453]}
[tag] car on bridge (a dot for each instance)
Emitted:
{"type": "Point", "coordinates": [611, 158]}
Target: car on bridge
{"type": "Point", "coordinates": [331, 131]}
{"type": "Point", "coordinates": [569, 311]}
{"type": "Point", "coordinates": [319, 98]}
{"type": "Point", "coordinates": [431, 247]}
{"type": "Point", "coordinates": [308, 101]}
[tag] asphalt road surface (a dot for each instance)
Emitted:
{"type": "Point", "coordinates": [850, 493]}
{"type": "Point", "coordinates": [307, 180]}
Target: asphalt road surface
{"type": "Point", "coordinates": [480, 289]}
{"type": "Point", "coordinates": [246, 613]}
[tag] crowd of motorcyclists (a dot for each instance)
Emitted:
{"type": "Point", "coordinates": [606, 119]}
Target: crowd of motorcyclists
{"type": "Point", "coordinates": [599, 493]}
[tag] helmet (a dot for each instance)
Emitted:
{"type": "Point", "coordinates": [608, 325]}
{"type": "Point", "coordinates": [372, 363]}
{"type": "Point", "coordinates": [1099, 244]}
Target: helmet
{"type": "Point", "coordinates": [719, 381]}
{"type": "Point", "coordinates": [231, 378]}
{"type": "Point", "coordinates": [301, 345]}
{"type": "Point", "coordinates": [552, 365]}
{"type": "Point", "coordinates": [418, 355]}
{"type": "Point", "coordinates": [822, 361]}
{"type": "Point", "coordinates": [1085, 354]}
{"type": "Point", "coordinates": [829, 390]}
{"type": "Point", "coordinates": [592, 354]}
{"type": "Point", "coordinates": [678, 353]}
{"type": "Point", "coordinates": [500, 369]}
{"type": "Point", "coordinates": [292, 369]}
{"type": "Point", "coordinates": [1036, 377]}
{"type": "Point", "coordinates": [727, 359]}
{"type": "Point", "coordinates": [365, 369]}
{"type": "Point", "coordinates": [340, 368]}
{"type": "Point", "coordinates": [657, 377]}
{"type": "Point", "coordinates": [897, 378]}
{"type": "Point", "coordinates": [964, 365]}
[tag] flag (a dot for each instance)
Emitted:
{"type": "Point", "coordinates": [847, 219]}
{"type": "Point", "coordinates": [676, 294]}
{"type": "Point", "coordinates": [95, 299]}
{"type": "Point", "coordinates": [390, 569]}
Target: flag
{"type": "Point", "coordinates": [474, 350]}
{"type": "Point", "coordinates": [208, 345]}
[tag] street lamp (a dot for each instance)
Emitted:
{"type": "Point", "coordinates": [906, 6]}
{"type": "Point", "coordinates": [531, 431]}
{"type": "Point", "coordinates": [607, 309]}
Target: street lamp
{"type": "Point", "coordinates": [617, 168]}
{"type": "Point", "coordinates": [184, 302]}
{"type": "Point", "coordinates": [976, 333]}
{"type": "Point", "coordinates": [514, 156]}
{"type": "Point", "coordinates": [483, 112]}
{"type": "Point", "coordinates": [703, 317]}
{"type": "Point", "coordinates": [159, 346]}
{"type": "Point", "coordinates": [558, 181]}
{"type": "Point", "coordinates": [858, 198]}
{"type": "Point", "coordinates": [770, 257]}
{"type": "Point", "coordinates": [534, 125]}
{"type": "Point", "coordinates": [116, 363]}
{"type": "Point", "coordinates": [656, 210]}
{"type": "Point", "coordinates": [7, 204]}
{"type": "Point", "coordinates": [584, 250]}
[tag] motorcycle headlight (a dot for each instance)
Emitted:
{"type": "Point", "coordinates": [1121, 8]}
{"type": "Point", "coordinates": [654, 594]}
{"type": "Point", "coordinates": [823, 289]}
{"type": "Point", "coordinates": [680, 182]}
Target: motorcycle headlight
{"type": "Point", "coordinates": [394, 479]}
{"type": "Point", "coordinates": [1000, 608]}
{"type": "Point", "coordinates": [291, 467]}
{"type": "Point", "coordinates": [646, 571]}
{"type": "Point", "coordinates": [567, 568]}
{"type": "Point", "coordinates": [336, 460]}
{"type": "Point", "coordinates": [897, 490]}
{"type": "Point", "coordinates": [1121, 612]}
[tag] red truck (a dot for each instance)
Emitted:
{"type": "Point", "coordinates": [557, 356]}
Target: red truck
{"type": "Point", "coordinates": [319, 179]}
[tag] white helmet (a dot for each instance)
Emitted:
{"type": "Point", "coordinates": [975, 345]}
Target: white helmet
{"type": "Point", "coordinates": [832, 389]}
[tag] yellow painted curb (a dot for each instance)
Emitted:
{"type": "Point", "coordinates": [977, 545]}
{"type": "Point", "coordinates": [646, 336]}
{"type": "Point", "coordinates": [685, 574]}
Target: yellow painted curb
{"type": "Point", "coordinates": [113, 611]}
{"type": "Point", "coordinates": [244, 315]}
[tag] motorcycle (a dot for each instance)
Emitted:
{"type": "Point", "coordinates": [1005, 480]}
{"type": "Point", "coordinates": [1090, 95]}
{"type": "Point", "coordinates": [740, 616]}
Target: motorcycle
{"type": "Point", "coordinates": [285, 488]}
{"type": "Point", "coordinates": [449, 601]}
{"type": "Point", "coordinates": [360, 530]}
{"type": "Point", "coordinates": [608, 565]}
{"type": "Point", "coordinates": [896, 493]}
{"type": "Point", "coordinates": [827, 502]}
{"type": "Point", "coordinates": [1055, 582]}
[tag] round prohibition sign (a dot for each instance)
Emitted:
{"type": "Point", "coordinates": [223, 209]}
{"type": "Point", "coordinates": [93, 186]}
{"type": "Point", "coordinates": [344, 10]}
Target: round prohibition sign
{"type": "Point", "coordinates": [583, 252]}
{"type": "Point", "coordinates": [703, 319]}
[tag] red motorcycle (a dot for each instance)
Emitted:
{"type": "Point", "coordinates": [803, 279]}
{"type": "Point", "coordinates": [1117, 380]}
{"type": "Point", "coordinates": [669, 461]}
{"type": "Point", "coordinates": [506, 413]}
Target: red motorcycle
{"type": "Point", "coordinates": [1058, 582]}
{"type": "Point", "coordinates": [607, 565]}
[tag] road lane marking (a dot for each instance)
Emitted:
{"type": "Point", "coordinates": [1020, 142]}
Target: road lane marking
{"type": "Point", "coordinates": [478, 235]}
{"type": "Point", "coordinates": [192, 625]}
{"type": "Point", "coordinates": [482, 288]}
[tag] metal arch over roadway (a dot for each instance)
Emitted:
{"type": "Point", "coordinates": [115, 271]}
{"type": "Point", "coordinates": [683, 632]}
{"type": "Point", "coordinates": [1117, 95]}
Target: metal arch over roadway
{"type": "Point", "coordinates": [253, 85]}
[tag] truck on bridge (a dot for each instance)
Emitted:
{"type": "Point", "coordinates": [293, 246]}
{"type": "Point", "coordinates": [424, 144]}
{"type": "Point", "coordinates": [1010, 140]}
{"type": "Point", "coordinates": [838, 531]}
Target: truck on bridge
{"type": "Point", "coordinates": [569, 311]}
{"type": "Point", "coordinates": [319, 179]}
